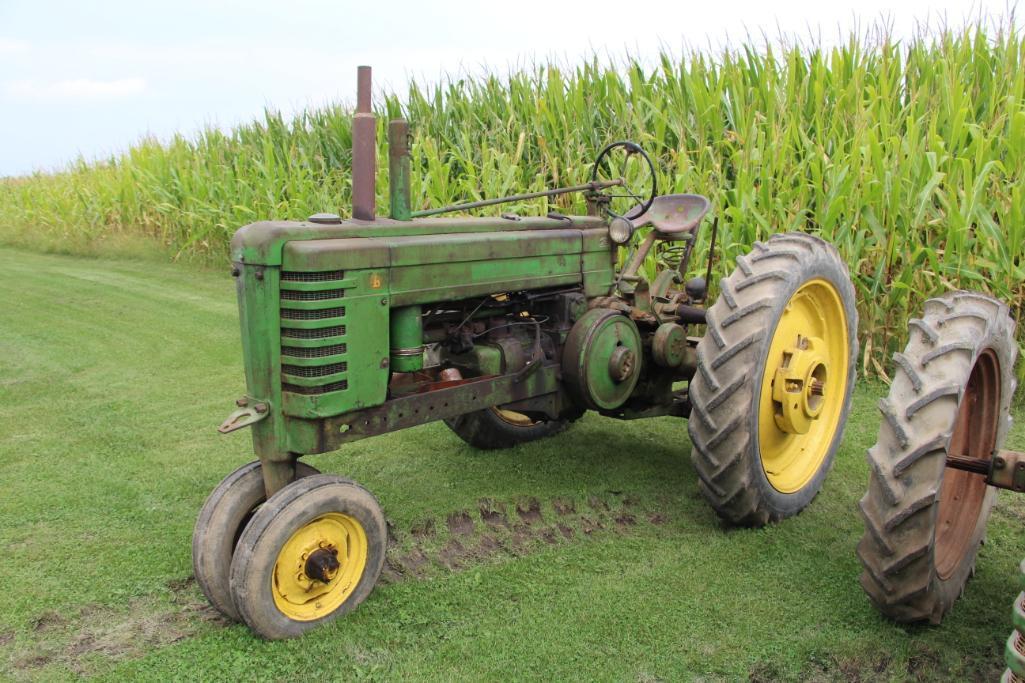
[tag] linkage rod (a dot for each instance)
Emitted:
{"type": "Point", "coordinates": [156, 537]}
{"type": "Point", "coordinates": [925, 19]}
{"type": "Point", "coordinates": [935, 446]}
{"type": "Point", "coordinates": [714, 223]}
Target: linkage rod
{"type": "Point", "coordinates": [592, 186]}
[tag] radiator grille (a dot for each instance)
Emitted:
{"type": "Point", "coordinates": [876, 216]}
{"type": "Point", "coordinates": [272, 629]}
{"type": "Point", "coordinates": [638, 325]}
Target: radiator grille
{"type": "Point", "coordinates": [319, 276]}
{"type": "Point", "coordinates": [296, 295]}
{"type": "Point", "coordinates": [320, 367]}
{"type": "Point", "coordinates": [313, 352]}
{"type": "Point", "coordinates": [310, 391]}
{"type": "Point", "coordinates": [318, 333]}
{"type": "Point", "coordinates": [315, 314]}
{"type": "Point", "coordinates": [313, 370]}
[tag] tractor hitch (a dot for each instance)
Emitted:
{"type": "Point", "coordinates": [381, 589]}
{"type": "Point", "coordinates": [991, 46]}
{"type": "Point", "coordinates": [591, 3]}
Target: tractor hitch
{"type": "Point", "coordinates": [248, 413]}
{"type": "Point", "coordinates": [1005, 470]}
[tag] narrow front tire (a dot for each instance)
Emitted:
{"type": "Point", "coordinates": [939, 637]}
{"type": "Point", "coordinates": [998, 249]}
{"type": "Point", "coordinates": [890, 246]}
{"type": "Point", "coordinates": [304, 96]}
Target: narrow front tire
{"type": "Point", "coordinates": [311, 553]}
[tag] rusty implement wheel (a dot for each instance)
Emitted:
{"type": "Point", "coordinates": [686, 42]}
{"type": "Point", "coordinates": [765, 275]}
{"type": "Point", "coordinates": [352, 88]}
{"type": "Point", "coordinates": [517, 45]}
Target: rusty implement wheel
{"type": "Point", "coordinates": [951, 395]}
{"type": "Point", "coordinates": [310, 554]}
{"type": "Point", "coordinates": [224, 515]}
{"type": "Point", "coordinates": [497, 427]}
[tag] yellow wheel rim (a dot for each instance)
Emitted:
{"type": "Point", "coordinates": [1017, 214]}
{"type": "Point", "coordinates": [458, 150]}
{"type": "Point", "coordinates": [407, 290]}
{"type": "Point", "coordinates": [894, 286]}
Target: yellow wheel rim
{"type": "Point", "coordinates": [308, 584]}
{"type": "Point", "coordinates": [513, 418]}
{"type": "Point", "coordinates": [803, 387]}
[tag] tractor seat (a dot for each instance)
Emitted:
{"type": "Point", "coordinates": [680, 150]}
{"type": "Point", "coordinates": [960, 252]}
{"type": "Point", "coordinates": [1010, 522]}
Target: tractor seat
{"type": "Point", "coordinates": [673, 214]}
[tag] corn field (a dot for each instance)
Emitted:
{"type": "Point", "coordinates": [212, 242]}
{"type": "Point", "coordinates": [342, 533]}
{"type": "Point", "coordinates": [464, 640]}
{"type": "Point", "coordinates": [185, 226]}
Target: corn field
{"type": "Point", "coordinates": [909, 157]}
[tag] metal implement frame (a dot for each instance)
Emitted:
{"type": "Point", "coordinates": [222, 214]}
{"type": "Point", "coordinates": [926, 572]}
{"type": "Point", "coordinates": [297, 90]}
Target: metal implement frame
{"type": "Point", "coordinates": [1004, 470]}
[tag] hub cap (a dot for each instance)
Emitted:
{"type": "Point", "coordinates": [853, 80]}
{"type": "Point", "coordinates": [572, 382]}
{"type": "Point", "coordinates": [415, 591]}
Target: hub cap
{"type": "Point", "coordinates": [804, 385]}
{"type": "Point", "coordinates": [320, 566]}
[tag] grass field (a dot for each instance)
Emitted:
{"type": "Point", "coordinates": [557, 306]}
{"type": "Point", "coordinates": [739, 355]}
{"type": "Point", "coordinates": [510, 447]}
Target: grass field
{"type": "Point", "coordinates": [600, 561]}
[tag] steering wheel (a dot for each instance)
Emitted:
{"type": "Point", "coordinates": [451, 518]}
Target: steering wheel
{"type": "Point", "coordinates": [603, 162]}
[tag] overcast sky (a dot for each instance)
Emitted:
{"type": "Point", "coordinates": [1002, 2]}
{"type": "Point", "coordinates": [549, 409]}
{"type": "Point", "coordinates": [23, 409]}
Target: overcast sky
{"type": "Point", "coordinates": [90, 78]}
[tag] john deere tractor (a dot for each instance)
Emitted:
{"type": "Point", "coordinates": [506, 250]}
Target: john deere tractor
{"type": "Point", "coordinates": [507, 329]}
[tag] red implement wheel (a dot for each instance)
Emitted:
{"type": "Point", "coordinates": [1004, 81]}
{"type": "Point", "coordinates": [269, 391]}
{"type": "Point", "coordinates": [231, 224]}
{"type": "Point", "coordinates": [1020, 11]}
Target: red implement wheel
{"type": "Point", "coordinates": [951, 394]}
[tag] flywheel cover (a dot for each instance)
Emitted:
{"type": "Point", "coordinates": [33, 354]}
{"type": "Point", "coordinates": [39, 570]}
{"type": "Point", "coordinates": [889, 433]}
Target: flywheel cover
{"type": "Point", "coordinates": [601, 361]}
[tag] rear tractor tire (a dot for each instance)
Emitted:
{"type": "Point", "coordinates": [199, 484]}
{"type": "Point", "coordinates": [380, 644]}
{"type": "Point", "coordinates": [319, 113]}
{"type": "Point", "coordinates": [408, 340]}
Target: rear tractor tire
{"type": "Point", "coordinates": [951, 394]}
{"type": "Point", "coordinates": [310, 554]}
{"type": "Point", "coordinates": [775, 375]}
{"type": "Point", "coordinates": [494, 428]}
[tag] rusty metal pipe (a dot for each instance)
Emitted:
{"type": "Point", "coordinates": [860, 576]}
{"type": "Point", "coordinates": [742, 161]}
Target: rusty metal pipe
{"type": "Point", "coordinates": [363, 90]}
{"type": "Point", "coordinates": [364, 151]}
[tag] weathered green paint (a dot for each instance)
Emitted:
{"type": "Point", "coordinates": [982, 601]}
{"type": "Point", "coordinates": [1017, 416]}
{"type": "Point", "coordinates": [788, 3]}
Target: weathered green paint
{"type": "Point", "coordinates": [600, 345]}
{"type": "Point", "coordinates": [337, 361]}
{"type": "Point", "coordinates": [407, 339]}
{"type": "Point", "coordinates": [262, 243]}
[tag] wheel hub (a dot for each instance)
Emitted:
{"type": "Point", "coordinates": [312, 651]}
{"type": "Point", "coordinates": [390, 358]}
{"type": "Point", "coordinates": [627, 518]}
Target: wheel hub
{"type": "Point", "coordinates": [621, 364]}
{"type": "Point", "coordinates": [319, 566]}
{"type": "Point", "coordinates": [799, 385]}
{"type": "Point", "coordinates": [804, 386]}
{"type": "Point", "coordinates": [322, 564]}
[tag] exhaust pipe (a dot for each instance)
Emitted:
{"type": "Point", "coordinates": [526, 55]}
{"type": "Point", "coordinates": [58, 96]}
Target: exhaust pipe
{"type": "Point", "coordinates": [364, 151]}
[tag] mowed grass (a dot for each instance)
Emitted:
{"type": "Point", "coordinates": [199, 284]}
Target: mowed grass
{"type": "Point", "coordinates": [113, 375]}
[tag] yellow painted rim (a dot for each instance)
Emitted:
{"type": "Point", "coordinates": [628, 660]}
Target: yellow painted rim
{"type": "Point", "coordinates": [803, 386]}
{"type": "Point", "coordinates": [513, 418]}
{"type": "Point", "coordinates": [302, 598]}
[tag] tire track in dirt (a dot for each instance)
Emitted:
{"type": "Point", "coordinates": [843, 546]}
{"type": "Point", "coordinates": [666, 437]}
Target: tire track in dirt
{"type": "Point", "coordinates": [493, 531]}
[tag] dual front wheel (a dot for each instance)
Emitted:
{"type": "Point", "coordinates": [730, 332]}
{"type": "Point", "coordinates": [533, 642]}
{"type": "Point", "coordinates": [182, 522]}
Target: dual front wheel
{"type": "Point", "coordinates": [308, 554]}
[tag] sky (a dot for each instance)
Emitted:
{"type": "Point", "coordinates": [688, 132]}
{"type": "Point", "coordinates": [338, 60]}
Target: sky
{"type": "Point", "coordinates": [90, 78]}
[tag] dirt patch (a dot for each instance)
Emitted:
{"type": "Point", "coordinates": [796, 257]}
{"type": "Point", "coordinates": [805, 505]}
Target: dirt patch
{"type": "Point", "coordinates": [48, 621]}
{"type": "Point", "coordinates": [625, 519]}
{"type": "Point", "coordinates": [6, 637]}
{"type": "Point", "coordinates": [390, 572]}
{"type": "Point", "coordinates": [423, 530]}
{"type": "Point", "coordinates": [460, 523]}
{"type": "Point", "coordinates": [530, 512]}
{"type": "Point", "coordinates": [589, 526]}
{"type": "Point", "coordinates": [456, 541]}
{"type": "Point", "coordinates": [493, 514]}
{"type": "Point", "coordinates": [117, 634]}
{"type": "Point", "coordinates": [452, 554]}
{"type": "Point", "coordinates": [488, 547]}
{"type": "Point", "coordinates": [177, 586]}
{"type": "Point", "coordinates": [412, 563]}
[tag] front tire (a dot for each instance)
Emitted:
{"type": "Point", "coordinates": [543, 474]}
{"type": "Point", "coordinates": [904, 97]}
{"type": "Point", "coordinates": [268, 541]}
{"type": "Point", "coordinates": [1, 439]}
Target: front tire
{"type": "Point", "coordinates": [776, 371]}
{"type": "Point", "coordinates": [924, 522]}
{"type": "Point", "coordinates": [310, 554]}
{"type": "Point", "coordinates": [224, 515]}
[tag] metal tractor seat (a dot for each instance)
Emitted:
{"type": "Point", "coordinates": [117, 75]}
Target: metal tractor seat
{"type": "Point", "coordinates": [673, 214]}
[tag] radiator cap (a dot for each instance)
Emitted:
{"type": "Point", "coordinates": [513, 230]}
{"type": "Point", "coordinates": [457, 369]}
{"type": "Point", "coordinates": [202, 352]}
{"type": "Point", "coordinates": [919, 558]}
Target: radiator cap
{"type": "Point", "coordinates": [325, 218]}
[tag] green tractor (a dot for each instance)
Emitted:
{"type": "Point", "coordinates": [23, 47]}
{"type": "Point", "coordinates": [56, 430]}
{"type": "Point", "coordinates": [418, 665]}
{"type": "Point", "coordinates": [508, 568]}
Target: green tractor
{"type": "Point", "coordinates": [508, 329]}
